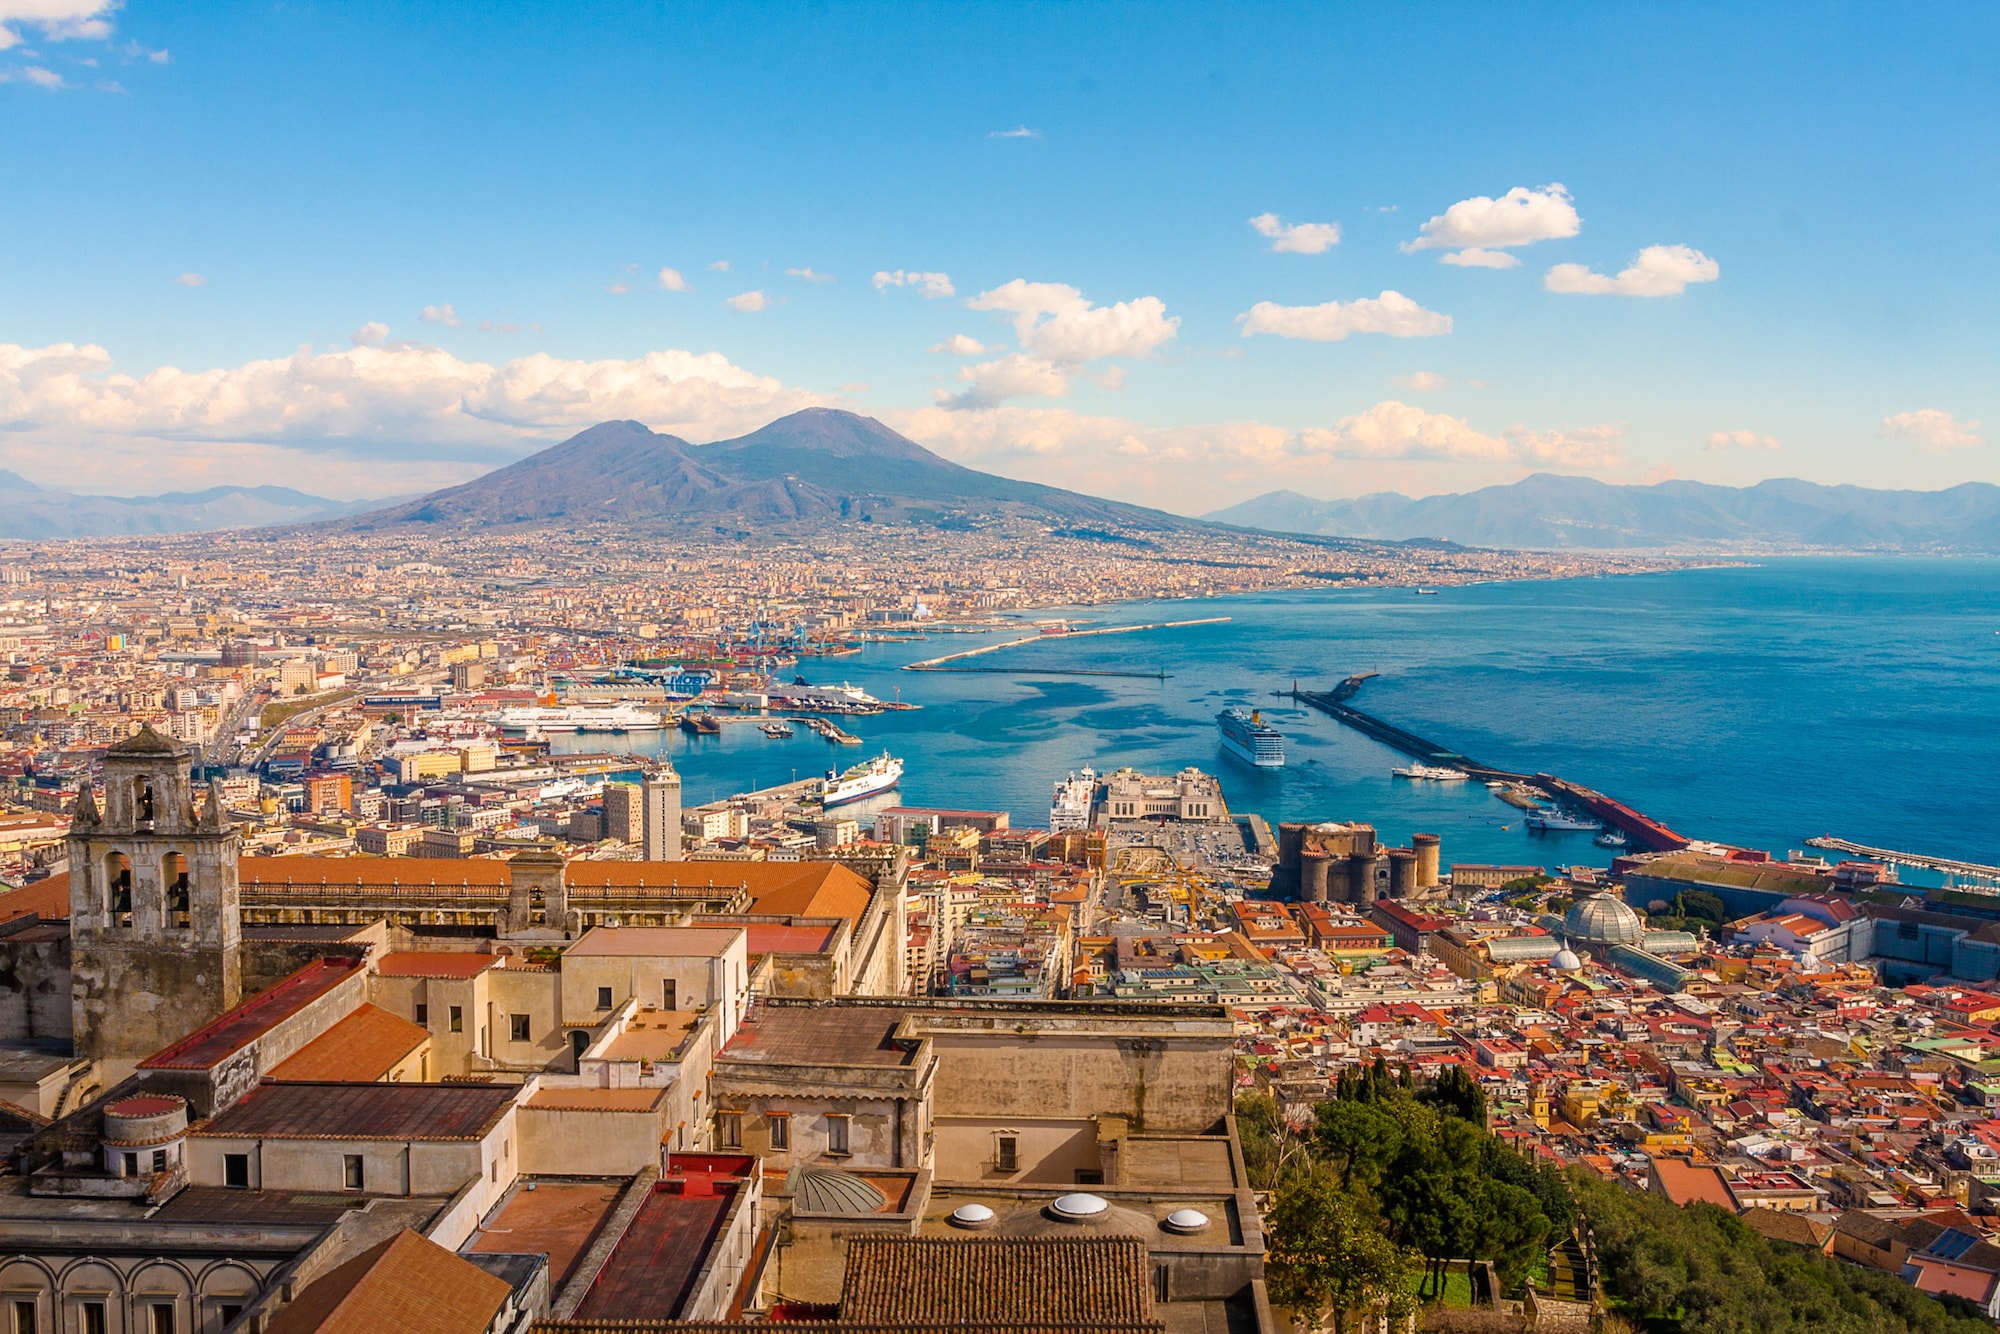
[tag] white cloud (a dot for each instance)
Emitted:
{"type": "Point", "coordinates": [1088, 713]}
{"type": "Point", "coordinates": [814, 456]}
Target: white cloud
{"type": "Point", "coordinates": [1018, 132]}
{"type": "Point", "coordinates": [960, 345]}
{"type": "Point", "coordinates": [1392, 314]}
{"type": "Point", "coordinates": [670, 280]}
{"type": "Point", "coordinates": [1481, 224]}
{"type": "Point", "coordinates": [497, 326]}
{"type": "Point", "coordinates": [619, 289]}
{"type": "Point", "coordinates": [810, 276]}
{"type": "Point", "coordinates": [1057, 322]}
{"type": "Point", "coordinates": [444, 315]}
{"type": "Point", "coordinates": [394, 400]}
{"type": "Point", "coordinates": [720, 266]}
{"type": "Point", "coordinates": [1931, 429]}
{"type": "Point", "coordinates": [932, 285]}
{"type": "Point", "coordinates": [56, 20]}
{"type": "Point", "coordinates": [1423, 382]}
{"type": "Point", "coordinates": [749, 302]}
{"type": "Point", "coordinates": [35, 74]}
{"type": "Point", "coordinates": [191, 280]}
{"type": "Point", "coordinates": [1658, 270]}
{"type": "Point", "coordinates": [1016, 375]}
{"type": "Point", "coordinates": [1300, 238]}
{"type": "Point", "coordinates": [1740, 440]}
{"type": "Point", "coordinates": [369, 334]}
{"type": "Point", "coordinates": [1395, 430]}
{"type": "Point", "coordinates": [1476, 258]}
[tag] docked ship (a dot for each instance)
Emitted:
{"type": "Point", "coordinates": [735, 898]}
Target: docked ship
{"type": "Point", "coordinates": [547, 719]}
{"type": "Point", "coordinates": [1075, 796]}
{"type": "Point", "coordinates": [1432, 773]}
{"type": "Point", "coordinates": [1245, 736]}
{"type": "Point", "coordinates": [1561, 822]}
{"type": "Point", "coordinates": [863, 780]}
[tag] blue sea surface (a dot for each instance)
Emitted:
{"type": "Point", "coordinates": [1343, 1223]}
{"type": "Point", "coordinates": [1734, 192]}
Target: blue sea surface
{"type": "Point", "coordinates": [1756, 705]}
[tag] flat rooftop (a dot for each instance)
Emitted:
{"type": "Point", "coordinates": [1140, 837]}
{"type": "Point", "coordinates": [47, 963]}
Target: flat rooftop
{"type": "Point", "coordinates": [774, 938]}
{"type": "Point", "coordinates": [651, 1271]}
{"type": "Point", "coordinates": [662, 942]}
{"type": "Point", "coordinates": [653, 1035]}
{"type": "Point", "coordinates": [820, 1035]}
{"type": "Point", "coordinates": [596, 1100]}
{"type": "Point", "coordinates": [365, 1111]}
{"type": "Point", "coordinates": [418, 963]}
{"type": "Point", "coordinates": [559, 1219]}
{"type": "Point", "coordinates": [209, 1046]}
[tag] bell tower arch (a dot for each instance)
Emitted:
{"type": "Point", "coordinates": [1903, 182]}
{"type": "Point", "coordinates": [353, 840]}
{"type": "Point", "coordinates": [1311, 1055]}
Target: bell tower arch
{"type": "Point", "coordinates": [155, 917]}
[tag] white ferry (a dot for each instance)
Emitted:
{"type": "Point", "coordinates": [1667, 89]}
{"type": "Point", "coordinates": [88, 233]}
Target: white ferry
{"type": "Point", "coordinates": [546, 719]}
{"type": "Point", "coordinates": [1554, 822]}
{"type": "Point", "coordinates": [1075, 796]}
{"type": "Point", "coordinates": [1432, 773]}
{"type": "Point", "coordinates": [863, 780]}
{"type": "Point", "coordinates": [1245, 736]}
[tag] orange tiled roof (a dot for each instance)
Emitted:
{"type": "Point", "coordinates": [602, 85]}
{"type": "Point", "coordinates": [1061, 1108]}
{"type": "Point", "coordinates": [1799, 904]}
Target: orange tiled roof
{"type": "Point", "coordinates": [48, 897]}
{"type": "Point", "coordinates": [360, 1049]}
{"type": "Point", "coordinates": [405, 1282]}
{"type": "Point", "coordinates": [309, 873]}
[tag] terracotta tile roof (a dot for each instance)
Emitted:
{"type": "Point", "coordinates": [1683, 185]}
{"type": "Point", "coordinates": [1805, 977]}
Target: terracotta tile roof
{"type": "Point", "coordinates": [960, 1280]}
{"type": "Point", "coordinates": [597, 1100]}
{"type": "Point", "coordinates": [313, 874]}
{"type": "Point", "coordinates": [213, 1043]}
{"type": "Point", "coordinates": [404, 1283]}
{"type": "Point", "coordinates": [819, 1035]}
{"type": "Point", "coordinates": [49, 898]}
{"type": "Point", "coordinates": [370, 1111]}
{"type": "Point", "coordinates": [1684, 1183]}
{"type": "Point", "coordinates": [418, 963]}
{"type": "Point", "coordinates": [362, 1048]}
{"type": "Point", "coordinates": [617, 1326]}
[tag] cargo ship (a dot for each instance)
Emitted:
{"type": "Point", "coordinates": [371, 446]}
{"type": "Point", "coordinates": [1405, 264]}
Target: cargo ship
{"type": "Point", "coordinates": [1245, 736]}
{"type": "Point", "coordinates": [863, 780]}
{"type": "Point", "coordinates": [545, 720]}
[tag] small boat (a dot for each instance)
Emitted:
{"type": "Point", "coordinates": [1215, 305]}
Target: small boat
{"type": "Point", "coordinates": [1427, 592]}
{"type": "Point", "coordinates": [1433, 773]}
{"type": "Point", "coordinates": [1610, 838]}
{"type": "Point", "coordinates": [775, 730]}
{"type": "Point", "coordinates": [1561, 822]}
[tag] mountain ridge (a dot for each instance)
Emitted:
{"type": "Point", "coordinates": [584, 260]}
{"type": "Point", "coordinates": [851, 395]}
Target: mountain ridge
{"type": "Point", "coordinates": [1549, 511]}
{"type": "Point", "coordinates": [38, 513]}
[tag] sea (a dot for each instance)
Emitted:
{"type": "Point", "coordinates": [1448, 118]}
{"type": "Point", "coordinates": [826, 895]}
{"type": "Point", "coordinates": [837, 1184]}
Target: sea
{"type": "Point", "coordinates": [1755, 705]}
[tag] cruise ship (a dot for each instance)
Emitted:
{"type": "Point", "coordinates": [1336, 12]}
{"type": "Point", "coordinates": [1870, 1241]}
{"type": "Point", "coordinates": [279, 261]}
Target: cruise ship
{"type": "Point", "coordinates": [1245, 736]}
{"type": "Point", "coordinates": [863, 780]}
{"type": "Point", "coordinates": [546, 719]}
{"type": "Point", "coordinates": [1075, 796]}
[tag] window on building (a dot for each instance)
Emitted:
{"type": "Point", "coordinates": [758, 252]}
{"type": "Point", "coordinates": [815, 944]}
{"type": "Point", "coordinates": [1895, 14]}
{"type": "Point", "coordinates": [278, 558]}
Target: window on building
{"type": "Point", "coordinates": [24, 1317]}
{"type": "Point", "coordinates": [457, 1018]}
{"type": "Point", "coordinates": [517, 1027]}
{"type": "Point", "coordinates": [1086, 1177]}
{"type": "Point", "coordinates": [159, 1160]}
{"type": "Point", "coordinates": [131, 1164]}
{"type": "Point", "coordinates": [353, 1174]}
{"type": "Point", "coordinates": [1008, 1158]}
{"type": "Point", "coordinates": [781, 1131]}
{"type": "Point", "coordinates": [836, 1134]}
{"type": "Point", "coordinates": [668, 996]}
{"type": "Point", "coordinates": [729, 1129]}
{"type": "Point", "coordinates": [228, 1311]}
{"type": "Point", "coordinates": [424, 1015]}
{"type": "Point", "coordinates": [236, 1171]}
{"type": "Point", "coordinates": [94, 1321]}
{"type": "Point", "coordinates": [604, 998]}
{"type": "Point", "coordinates": [163, 1318]}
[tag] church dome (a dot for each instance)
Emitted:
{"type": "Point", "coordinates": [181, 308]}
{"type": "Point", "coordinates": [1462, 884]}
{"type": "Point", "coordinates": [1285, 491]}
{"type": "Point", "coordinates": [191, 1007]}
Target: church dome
{"type": "Point", "coordinates": [1566, 961]}
{"type": "Point", "coordinates": [1602, 919]}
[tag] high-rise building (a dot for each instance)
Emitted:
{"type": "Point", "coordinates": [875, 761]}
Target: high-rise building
{"type": "Point", "coordinates": [622, 818]}
{"type": "Point", "coordinates": [660, 802]}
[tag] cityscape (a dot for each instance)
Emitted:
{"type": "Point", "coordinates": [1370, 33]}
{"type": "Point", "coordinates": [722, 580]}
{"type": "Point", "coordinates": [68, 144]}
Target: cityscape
{"type": "Point", "coordinates": [1151, 782]}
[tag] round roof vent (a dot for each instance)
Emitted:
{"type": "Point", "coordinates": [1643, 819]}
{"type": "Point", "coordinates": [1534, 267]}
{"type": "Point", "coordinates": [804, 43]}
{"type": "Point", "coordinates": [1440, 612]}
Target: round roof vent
{"type": "Point", "coordinates": [1079, 1206]}
{"type": "Point", "coordinates": [972, 1215]}
{"type": "Point", "coordinates": [1185, 1221]}
{"type": "Point", "coordinates": [821, 1190]}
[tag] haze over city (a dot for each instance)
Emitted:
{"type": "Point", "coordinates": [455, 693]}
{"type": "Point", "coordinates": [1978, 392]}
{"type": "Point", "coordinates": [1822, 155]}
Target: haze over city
{"type": "Point", "coordinates": [1166, 254]}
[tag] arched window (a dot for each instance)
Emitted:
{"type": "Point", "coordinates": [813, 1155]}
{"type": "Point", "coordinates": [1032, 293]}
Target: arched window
{"type": "Point", "coordinates": [118, 889]}
{"type": "Point", "coordinates": [142, 802]}
{"type": "Point", "coordinates": [174, 880]}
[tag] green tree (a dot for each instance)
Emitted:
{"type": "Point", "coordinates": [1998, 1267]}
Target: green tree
{"type": "Point", "coordinates": [1326, 1253]}
{"type": "Point", "coordinates": [1362, 1137]}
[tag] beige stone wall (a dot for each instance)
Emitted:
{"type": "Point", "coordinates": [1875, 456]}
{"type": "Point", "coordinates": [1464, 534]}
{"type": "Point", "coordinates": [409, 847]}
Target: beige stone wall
{"type": "Point", "coordinates": [1161, 1080]}
{"type": "Point", "coordinates": [591, 1143]}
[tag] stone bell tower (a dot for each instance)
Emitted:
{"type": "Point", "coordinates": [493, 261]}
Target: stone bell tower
{"type": "Point", "coordinates": [155, 921]}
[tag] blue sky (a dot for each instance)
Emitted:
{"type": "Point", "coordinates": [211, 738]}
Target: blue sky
{"type": "Point", "coordinates": [1738, 246]}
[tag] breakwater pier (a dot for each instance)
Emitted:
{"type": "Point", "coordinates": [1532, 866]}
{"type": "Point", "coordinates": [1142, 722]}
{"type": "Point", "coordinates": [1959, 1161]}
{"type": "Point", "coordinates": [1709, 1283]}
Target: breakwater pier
{"type": "Point", "coordinates": [1641, 831]}
{"type": "Point", "coordinates": [944, 664]}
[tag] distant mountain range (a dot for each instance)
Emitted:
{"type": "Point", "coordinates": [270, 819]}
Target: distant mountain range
{"type": "Point", "coordinates": [30, 511]}
{"type": "Point", "coordinates": [1548, 512]}
{"type": "Point", "coordinates": [819, 465]}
